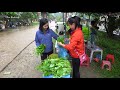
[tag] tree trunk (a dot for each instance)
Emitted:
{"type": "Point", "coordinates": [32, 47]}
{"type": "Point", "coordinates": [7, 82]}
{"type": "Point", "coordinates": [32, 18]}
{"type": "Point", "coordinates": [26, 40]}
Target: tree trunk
{"type": "Point", "coordinates": [89, 26]}
{"type": "Point", "coordinates": [66, 17]}
{"type": "Point", "coordinates": [111, 26]}
{"type": "Point", "coordinates": [44, 14]}
{"type": "Point", "coordinates": [106, 27]}
{"type": "Point", "coordinates": [6, 24]}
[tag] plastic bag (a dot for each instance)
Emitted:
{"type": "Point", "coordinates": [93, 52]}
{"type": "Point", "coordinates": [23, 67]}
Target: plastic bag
{"type": "Point", "coordinates": [62, 52]}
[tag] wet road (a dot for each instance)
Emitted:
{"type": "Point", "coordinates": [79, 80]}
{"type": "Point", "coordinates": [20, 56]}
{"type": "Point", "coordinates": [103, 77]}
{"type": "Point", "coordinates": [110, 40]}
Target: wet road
{"type": "Point", "coordinates": [11, 43]}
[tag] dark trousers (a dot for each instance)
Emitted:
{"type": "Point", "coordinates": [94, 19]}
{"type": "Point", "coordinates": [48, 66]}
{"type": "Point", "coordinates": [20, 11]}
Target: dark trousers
{"type": "Point", "coordinates": [76, 67]}
{"type": "Point", "coordinates": [45, 55]}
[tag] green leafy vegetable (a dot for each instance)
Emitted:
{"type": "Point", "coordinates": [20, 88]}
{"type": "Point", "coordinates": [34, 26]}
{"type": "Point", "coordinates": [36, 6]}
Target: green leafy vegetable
{"type": "Point", "coordinates": [40, 49]}
{"type": "Point", "coordinates": [58, 67]}
{"type": "Point", "coordinates": [52, 56]}
{"type": "Point", "coordinates": [60, 39]}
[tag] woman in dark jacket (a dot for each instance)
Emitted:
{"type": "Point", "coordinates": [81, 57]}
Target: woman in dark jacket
{"type": "Point", "coordinates": [44, 36]}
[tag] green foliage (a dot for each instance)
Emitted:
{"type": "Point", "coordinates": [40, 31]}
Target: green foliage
{"type": "Point", "coordinates": [26, 15]}
{"type": "Point", "coordinates": [111, 26]}
{"type": "Point", "coordinates": [58, 67]}
{"type": "Point", "coordinates": [21, 15]}
{"type": "Point", "coordinates": [50, 16]}
{"type": "Point", "coordinates": [85, 32]}
{"type": "Point", "coordinates": [59, 18]}
{"type": "Point", "coordinates": [35, 23]}
{"type": "Point", "coordinates": [35, 16]}
{"type": "Point", "coordinates": [118, 22]}
{"type": "Point", "coordinates": [60, 39]}
{"type": "Point", "coordinates": [40, 49]}
{"type": "Point", "coordinates": [53, 56]}
{"type": "Point", "coordinates": [9, 14]}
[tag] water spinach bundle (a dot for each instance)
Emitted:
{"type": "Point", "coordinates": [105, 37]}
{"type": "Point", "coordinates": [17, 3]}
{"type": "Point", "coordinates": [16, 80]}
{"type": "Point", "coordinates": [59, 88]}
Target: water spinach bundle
{"type": "Point", "coordinates": [60, 39]}
{"type": "Point", "coordinates": [40, 49]}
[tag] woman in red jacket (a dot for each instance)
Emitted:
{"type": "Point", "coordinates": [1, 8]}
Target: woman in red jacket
{"type": "Point", "coordinates": [76, 45]}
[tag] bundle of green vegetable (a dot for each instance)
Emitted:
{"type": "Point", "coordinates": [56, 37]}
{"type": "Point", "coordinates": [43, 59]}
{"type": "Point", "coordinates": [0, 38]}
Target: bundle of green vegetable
{"type": "Point", "coordinates": [40, 49]}
{"type": "Point", "coordinates": [58, 67]}
{"type": "Point", "coordinates": [60, 39]}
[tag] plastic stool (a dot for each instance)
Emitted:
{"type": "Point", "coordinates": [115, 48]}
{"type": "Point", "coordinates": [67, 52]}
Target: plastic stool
{"type": "Point", "coordinates": [108, 63]}
{"type": "Point", "coordinates": [110, 57]}
{"type": "Point", "coordinates": [96, 59]}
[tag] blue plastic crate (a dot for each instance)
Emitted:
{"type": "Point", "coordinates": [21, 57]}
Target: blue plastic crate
{"type": "Point", "coordinates": [67, 76]}
{"type": "Point", "coordinates": [51, 76]}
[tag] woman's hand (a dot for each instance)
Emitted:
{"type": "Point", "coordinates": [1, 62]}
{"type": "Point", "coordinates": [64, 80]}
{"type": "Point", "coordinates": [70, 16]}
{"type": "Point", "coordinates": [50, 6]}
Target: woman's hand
{"type": "Point", "coordinates": [67, 39]}
{"type": "Point", "coordinates": [59, 43]}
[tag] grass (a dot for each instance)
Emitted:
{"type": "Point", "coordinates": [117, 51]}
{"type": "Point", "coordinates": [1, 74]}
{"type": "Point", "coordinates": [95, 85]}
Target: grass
{"type": "Point", "coordinates": [109, 46]}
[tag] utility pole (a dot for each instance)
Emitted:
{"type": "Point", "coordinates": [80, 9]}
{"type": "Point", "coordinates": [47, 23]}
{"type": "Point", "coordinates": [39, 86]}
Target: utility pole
{"type": "Point", "coordinates": [64, 22]}
{"type": "Point", "coordinates": [63, 18]}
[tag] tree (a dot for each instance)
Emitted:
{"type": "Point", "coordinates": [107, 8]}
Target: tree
{"type": "Point", "coordinates": [28, 16]}
{"type": "Point", "coordinates": [35, 16]}
{"type": "Point", "coordinates": [10, 15]}
{"type": "Point", "coordinates": [51, 16]}
{"type": "Point", "coordinates": [111, 23]}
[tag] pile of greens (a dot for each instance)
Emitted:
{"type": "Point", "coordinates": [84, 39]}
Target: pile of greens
{"type": "Point", "coordinates": [60, 39]}
{"type": "Point", "coordinates": [52, 56]}
{"type": "Point", "coordinates": [58, 67]}
{"type": "Point", "coordinates": [40, 49]}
